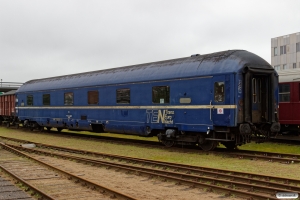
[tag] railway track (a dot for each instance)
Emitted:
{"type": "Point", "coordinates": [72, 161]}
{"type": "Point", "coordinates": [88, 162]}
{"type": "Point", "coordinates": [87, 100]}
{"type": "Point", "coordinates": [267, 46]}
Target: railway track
{"type": "Point", "coordinates": [241, 184]}
{"type": "Point", "coordinates": [50, 182]}
{"type": "Point", "coordinates": [9, 191]}
{"type": "Point", "coordinates": [240, 154]}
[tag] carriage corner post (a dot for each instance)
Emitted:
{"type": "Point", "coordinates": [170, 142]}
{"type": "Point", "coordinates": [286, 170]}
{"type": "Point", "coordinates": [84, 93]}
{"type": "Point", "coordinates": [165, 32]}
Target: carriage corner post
{"type": "Point", "coordinates": [202, 100]}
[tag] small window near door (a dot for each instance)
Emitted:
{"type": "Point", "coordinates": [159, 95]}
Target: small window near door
{"type": "Point", "coordinates": [254, 87]}
{"type": "Point", "coordinates": [259, 90]}
{"type": "Point", "coordinates": [219, 91]}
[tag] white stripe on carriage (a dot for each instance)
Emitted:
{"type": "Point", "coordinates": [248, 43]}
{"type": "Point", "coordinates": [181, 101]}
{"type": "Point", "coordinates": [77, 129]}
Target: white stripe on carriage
{"type": "Point", "coordinates": [132, 107]}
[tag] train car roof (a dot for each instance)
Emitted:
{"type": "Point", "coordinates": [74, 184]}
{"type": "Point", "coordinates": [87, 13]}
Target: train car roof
{"type": "Point", "coordinates": [289, 75]}
{"type": "Point", "coordinates": [231, 61]}
{"type": "Point", "coordinates": [8, 93]}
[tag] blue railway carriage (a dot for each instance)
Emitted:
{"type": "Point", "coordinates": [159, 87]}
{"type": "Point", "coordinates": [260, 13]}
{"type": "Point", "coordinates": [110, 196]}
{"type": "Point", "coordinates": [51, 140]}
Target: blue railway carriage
{"type": "Point", "coordinates": [224, 97]}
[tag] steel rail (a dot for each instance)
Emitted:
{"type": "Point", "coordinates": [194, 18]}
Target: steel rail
{"type": "Point", "coordinates": [182, 177]}
{"type": "Point", "coordinates": [265, 156]}
{"type": "Point", "coordinates": [93, 185]}
{"type": "Point", "coordinates": [241, 154]}
{"type": "Point", "coordinates": [28, 185]}
{"type": "Point", "coordinates": [168, 164]}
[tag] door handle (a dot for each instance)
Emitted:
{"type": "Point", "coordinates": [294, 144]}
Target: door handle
{"type": "Point", "coordinates": [211, 107]}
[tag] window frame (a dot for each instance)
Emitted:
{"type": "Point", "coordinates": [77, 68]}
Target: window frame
{"type": "Point", "coordinates": [46, 103]}
{"type": "Point", "coordinates": [254, 90]}
{"type": "Point", "coordinates": [65, 100]}
{"type": "Point", "coordinates": [218, 93]}
{"type": "Point", "coordinates": [157, 98]}
{"type": "Point", "coordinates": [298, 47]}
{"type": "Point", "coordinates": [93, 95]}
{"type": "Point", "coordinates": [27, 100]}
{"type": "Point", "coordinates": [275, 51]}
{"type": "Point", "coordinates": [121, 98]}
{"type": "Point", "coordinates": [282, 49]}
{"type": "Point", "coordinates": [282, 93]}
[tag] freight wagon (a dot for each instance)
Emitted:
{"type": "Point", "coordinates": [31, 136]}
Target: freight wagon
{"type": "Point", "coordinates": [7, 108]}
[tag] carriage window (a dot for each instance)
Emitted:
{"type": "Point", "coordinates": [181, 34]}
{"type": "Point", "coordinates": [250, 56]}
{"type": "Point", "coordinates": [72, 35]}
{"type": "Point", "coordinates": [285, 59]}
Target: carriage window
{"type": "Point", "coordinates": [93, 97]}
{"type": "Point", "coordinates": [29, 100]}
{"type": "Point", "coordinates": [284, 92]}
{"type": "Point", "coordinates": [69, 98]}
{"type": "Point", "coordinates": [259, 90]}
{"type": "Point", "coordinates": [123, 96]}
{"type": "Point", "coordinates": [254, 90]}
{"type": "Point", "coordinates": [219, 91]}
{"type": "Point", "coordinates": [161, 94]}
{"type": "Point", "coordinates": [46, 99]}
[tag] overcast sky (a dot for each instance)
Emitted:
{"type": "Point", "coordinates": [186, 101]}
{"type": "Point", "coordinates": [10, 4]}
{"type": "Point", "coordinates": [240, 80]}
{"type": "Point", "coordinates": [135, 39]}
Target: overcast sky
{"type": "Point", "coordinates": [40, 39]}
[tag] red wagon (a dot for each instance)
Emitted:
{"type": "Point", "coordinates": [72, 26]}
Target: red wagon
{"type": "Point", "coordinates": [289, 100]}
{"type": "Point", "coordinates": [7, 107]}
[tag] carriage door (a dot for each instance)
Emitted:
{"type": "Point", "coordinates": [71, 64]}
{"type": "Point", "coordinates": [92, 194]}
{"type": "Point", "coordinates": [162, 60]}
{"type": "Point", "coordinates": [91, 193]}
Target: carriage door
{"type": "Point", "coordinates": [259, 85]}
{"type": "Point", "coordinates": [220, 98]}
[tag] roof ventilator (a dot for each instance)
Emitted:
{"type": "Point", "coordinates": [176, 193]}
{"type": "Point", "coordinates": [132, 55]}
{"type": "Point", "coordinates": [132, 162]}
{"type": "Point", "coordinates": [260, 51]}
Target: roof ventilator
{"type": "Point", "coordinates": [194, 55]}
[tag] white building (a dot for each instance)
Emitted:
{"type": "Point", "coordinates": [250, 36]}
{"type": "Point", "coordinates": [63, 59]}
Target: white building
{"type": "Point", "coordinates": [285, 52]}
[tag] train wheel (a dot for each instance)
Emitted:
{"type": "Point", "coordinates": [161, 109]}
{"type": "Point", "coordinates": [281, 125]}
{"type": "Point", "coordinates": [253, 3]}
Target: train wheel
{"type": "Point", "coordinates": [208, 145]}
{"type": "Point", "coordinates": [59, 129]}
{"type": "Point", "coordinates": [48, 129]}
{"type": "Point", "coordinates": [7, 124]}
{"type": "Point", "coordinates": [168, 143]}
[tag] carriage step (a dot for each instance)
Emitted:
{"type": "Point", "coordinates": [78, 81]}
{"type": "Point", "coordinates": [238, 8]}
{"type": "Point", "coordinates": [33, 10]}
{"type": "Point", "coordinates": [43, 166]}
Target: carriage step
{"type": "Point", "coordinates": [222, 132]}
{"type": "Point", "coordinates": [221, 140]}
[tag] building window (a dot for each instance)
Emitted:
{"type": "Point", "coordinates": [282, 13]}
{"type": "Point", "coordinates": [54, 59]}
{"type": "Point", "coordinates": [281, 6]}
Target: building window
{"type": "Point", "coordinates": [282, 49]}
{"type": "Point", "coordinates": [298, 47]}
{"type": "Point", "coordinates": [277, 67]}
{"type": "Point", "coordinates": [275, 51]}
{"type": "Point", "coordinates": [284, 92]}
{"type": "Point", "coordinates": [294, 65]}
{"type": "Point", "coordinates": [161, 94]}
{"type": "Point", "coordinates": [219, 91]}
{"type": "Point", "coordinates": [285, 67]}
{"type": "Point", "coordinates": [123, 96]}
{"type": "Point", "coordinates": [69, 98]}
{"type": "Point", "coordinates": [46, 99]}
{"type": "Point", "coordinates": [30, 100]}
{"type": "Point", "coordinates": [93, 97]}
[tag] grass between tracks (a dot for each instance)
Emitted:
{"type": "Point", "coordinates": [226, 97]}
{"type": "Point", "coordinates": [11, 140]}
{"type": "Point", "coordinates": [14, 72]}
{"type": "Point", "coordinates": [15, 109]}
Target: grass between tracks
{"type": "Point", "coordinates": [172, 155]}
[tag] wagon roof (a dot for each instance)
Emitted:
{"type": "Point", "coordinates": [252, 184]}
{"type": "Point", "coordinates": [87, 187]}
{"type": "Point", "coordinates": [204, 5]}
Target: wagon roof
{"type": "Point", "coordinates": [8, 93]}
{"type": "Point", "coordinates": [291, 75]}
{"type": "Point", "coordinates": [231, 61]}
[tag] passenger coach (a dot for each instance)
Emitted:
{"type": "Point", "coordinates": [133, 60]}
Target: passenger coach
{"type": "Point", "coordinates": [289, 101]}
{"type": "Point", "coordinates": [200, 100]}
